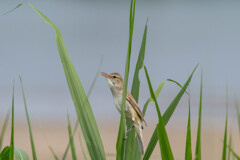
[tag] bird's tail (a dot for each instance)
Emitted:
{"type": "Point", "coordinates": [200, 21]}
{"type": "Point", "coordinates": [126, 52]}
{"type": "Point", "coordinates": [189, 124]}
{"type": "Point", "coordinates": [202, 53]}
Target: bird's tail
{"type": "Point", "coordinates": [138, 129]}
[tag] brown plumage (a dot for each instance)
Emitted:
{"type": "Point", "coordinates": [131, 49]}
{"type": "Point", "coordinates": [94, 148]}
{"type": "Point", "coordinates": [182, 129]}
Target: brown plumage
{"type": "Point", "coordinates": [133, 113]}
{"type": "Point", "coordinates": [134, 104]}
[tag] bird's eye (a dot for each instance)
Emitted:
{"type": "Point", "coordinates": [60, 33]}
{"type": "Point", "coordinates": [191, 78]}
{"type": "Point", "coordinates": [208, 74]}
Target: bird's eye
{"type": "Point", "coordinates": [114, 77]}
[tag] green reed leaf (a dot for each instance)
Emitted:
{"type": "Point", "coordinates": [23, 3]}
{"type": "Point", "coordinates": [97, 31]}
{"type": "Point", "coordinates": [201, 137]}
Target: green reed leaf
{"type": "Point", "coordinates": [132, 150]}
{"type": "Point", "coordinates": [188, 149]}
{"type": "Point", "coordinates": [11, 149]}
{"type": "Point", "coordinates": [53, 153]}
{"type": "Point", "coordinates": [3, 130]}
{"type": "Point", "coordinates": [166, 151]}
{"type": "Point", "coordinates": [156, 93]}
{"type": "Point", "coordinates": [88, 95]}
{"type": "Point", "coordinates": [224, 151]}
{"type": "Point", "coordinates": [28, 121]}
{"type": "Point", "coordinates": [82, 147]}
{"type": "Point", "coordinates": [71, 139]}
{"type": "Point", "coordinates": [166, 116]}
{"type": "Point", "coordinates": [198, 143]}
{"type": "Point", "coordinates": [82, 106]}
{"type": "Point", "coordinates": [12, 9]}
{"type": "Point", "coordinates": [121, 131]}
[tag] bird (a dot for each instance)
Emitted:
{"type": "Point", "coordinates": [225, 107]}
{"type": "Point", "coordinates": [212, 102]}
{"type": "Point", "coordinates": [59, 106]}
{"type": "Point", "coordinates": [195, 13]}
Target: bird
{"type": "Point", "coordinates": [132, 111]}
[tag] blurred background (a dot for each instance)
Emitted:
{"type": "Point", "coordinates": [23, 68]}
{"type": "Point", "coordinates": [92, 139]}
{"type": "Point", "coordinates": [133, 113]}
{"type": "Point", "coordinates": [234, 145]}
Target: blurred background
{"type": "Point", "coordinates": [180, 35]}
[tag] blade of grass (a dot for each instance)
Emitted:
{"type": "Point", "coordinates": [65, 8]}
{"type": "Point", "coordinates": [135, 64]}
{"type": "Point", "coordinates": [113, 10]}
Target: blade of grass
{"type": "Point", "coordinates": [234, 153]}
{"type": "Point", "coordinates": [121, 132]}
{"type": "Point", "coordinates": [11, 149]}
{"type": "Point", "coordinates": [165, 148]}
{"type": "Point", "coordinates": [71, 139]}
{"type": "Point", "coordinates": [69, 144]}
{"type": "Point", "coordinates": [88, 95]}
{"type": "Point", "coordinates": [188, 149]}
{"type": "Point", "coordinates": [82, 147]}
{"type": "Point", "coordinates": [230, 144]}
{"type": "Point", "coordinates": [139, 65]}
{"type": "Point", "coordinates": [238, 115]}
{"type": "Point", "coordinates": [28, 121]}
{"type": "Point", "coordinates": [224, 152]}
{"type": "Point", "coordinates": [9, 152]}
{"type": "Point", "coordinates": [171, 80]}
{"type": "Point", "coordinates": [82, 105]}
{"type": "Point", "coordinates": [198, 143]}
{"type": "Point", "coordinates": [156, 93]}
{"type": "Point", "coordinates": [12, 9]}
{"type": "Point", "coordinates": [132, 150]}
{"type": "Point", "coordinates": [53, 153]}
{"type": "Point", "coordinates": [5, 123]}
{"type": "Point", "coordinates": [137, 153]}
{"type": "Point", "coordinates": [166, 116]}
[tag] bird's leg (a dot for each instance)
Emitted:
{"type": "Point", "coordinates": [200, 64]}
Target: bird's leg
{"type": "Point", "coordinates": [130, 129]}
{"type": "Point", "coordinates": [125, 138]}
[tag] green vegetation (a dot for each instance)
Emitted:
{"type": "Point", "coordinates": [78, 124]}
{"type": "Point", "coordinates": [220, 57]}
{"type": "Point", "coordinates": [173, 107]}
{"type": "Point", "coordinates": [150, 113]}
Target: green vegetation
{"type": "Point", "coordinates": [188, 148]}
{"type": "Point", "coordinates": [29, 124]}
{"type": "Point", "coordinates": [71, 139]}
{"type": "Point", "coordinates": [121, 132]}
{"type": "Point", "coordinates": [125, 149]}
{"type": "Point", "coordinates": [198, 143]}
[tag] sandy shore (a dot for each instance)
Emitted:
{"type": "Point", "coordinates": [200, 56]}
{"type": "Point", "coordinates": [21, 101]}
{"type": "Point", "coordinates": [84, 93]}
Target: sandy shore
{"type": "Point", "coordinates": [56, 136]}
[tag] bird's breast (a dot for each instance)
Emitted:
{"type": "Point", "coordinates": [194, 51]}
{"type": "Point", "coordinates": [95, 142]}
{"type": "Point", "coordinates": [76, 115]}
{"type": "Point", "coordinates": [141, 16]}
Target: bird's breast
{"type": "Point", "coordinates": [118, 102]}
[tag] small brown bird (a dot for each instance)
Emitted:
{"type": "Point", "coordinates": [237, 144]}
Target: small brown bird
{"type": "Point", "coordinates": [133, 113]}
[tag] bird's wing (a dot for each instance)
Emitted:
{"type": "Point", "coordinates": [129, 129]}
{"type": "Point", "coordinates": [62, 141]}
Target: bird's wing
{"type": "Point", "coordinates": [134, 104]}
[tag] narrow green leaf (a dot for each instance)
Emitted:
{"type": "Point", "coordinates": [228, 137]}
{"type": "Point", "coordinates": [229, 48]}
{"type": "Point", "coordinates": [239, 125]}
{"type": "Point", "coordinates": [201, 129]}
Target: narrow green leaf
{"type": "Point", "coordinates": [198, 143]}
{"type": "Point", "coordinates": [121, 132]}
{"type": "Point", "coordinates": [82, 147]}
{"type": "Point", "coordinates": [238, 115]}
{"type": "Point", "coordinates": [139, 65]}
{"type": "Point", "coordinates": [11, 151]}
{"type": "Point", "coordinates": [224, 152]}
{"type": "Point", "coordinates": [165, 148]}
{"type": "Point", "coordinates": [53, 153]}
{"type": "Point", "coordinates": [152, 93]}
{"type": "Point", "coordinates": [5, 123]}
{"type": "Point", "coordinates": [230, 144]}
{"type": "Point", "coordinates": [166, 116]}
{"type": "Point", "coordinates": [137, 153]}
{"type": "Point", "coordinates": [28, 121]}
{"type": "Point", "coordinates": [171, 80]}
{"type": "Point", "coordinates": [156, 93]}
{"type": "Point", "coordinates": [188, 149]}
{"type": "Point", "coordinates": [12, 9]}
{"type": "Point", "coordinates": [234, 153]}
{"type": "Point", "coordinates": [88, 95]}
{"type": "Point", "coordinates": [8, 152]}
{"type": "Point", "coordinates": [131, 144]}
{"type": "Point", "coordinates": [69, 144]}
{"type": "Point", "coordinates": [71, 139]}
{"type": "Point", "coordinates": [82, 105]}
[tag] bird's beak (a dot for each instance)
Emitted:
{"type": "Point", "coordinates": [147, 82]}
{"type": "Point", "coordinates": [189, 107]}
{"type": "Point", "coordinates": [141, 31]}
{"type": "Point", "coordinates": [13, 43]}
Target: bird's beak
{"type": "Point", "coordinates": [105, 75]}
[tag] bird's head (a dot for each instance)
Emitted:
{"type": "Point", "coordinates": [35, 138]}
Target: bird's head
{"type": "Point", "coordinates": [115, 81]}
